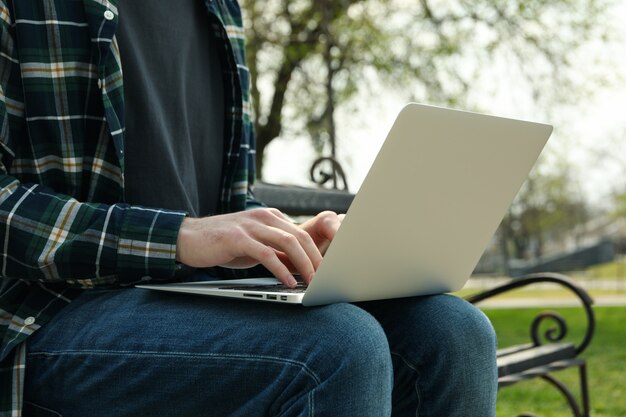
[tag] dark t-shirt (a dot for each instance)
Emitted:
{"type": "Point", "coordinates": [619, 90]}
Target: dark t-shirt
{"type": "Point", "coordinates": [174, 105]}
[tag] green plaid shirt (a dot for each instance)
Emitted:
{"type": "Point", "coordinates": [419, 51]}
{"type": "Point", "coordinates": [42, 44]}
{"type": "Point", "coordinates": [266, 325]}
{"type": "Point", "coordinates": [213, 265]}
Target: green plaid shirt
{"type": "Point", "coordinates": [64, 226]}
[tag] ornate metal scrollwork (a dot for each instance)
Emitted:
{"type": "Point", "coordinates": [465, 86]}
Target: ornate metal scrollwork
{"type": "Point", "coordinates": [321, 177]}
{"type": "Point", "coordinates": [552, 334]}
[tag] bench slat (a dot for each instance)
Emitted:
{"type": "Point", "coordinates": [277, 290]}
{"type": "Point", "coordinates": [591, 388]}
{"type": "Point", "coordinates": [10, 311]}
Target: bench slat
{"type": "Point", "coordinates": [302, 201]}
{"type": "Point", "coordinates": [514, 349]}
{"type": "Point", "coordinates": [534, 357]}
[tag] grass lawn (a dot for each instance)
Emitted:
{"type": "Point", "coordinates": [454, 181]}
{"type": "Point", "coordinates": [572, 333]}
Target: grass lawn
{"type": "Point", "coordinates": [610, 270]}
{"type": "Point", "coordinates": [606, 357]}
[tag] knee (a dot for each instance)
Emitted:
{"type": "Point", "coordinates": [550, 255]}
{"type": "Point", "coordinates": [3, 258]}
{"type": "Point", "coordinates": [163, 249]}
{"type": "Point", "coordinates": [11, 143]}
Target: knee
{"type": "Point", "coordinates": [463, 333]}
{"type": "Point", "coordinates": [473, 328]}
{"type": "Point", "coordinates": [355, 346]}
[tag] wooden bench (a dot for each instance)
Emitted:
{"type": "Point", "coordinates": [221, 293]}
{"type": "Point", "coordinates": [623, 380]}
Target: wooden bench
{"type": "Point", "coordinates": [539, 358]}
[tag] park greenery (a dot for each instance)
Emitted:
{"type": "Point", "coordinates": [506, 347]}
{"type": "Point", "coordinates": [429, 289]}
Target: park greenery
{"type": "Point", "coordinates": [310, 58]}
{"type": "Point", "coordinates": [548, 207]}
{"type": "Point", "coordinates": [606, 381]}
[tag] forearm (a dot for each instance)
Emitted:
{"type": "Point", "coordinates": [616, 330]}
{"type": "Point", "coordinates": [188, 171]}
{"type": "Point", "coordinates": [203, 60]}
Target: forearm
{"type": "Point", "coordinates": [53, 237]}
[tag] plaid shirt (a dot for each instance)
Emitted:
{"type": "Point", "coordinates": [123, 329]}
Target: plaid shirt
{"type": "Point", "coordinates": [64, 226]}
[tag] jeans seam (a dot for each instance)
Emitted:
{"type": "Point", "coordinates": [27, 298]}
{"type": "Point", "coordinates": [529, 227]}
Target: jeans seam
{"type": "Point", "coordinates": [43, 408]}
{"type": "Point", "coordinates": [417, 379]}
{"type": "Point", "coordinates": [171, 354]}
{"type": "Point", "coordinates": [311, 403]}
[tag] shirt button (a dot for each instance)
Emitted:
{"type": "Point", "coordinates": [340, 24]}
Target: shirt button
{"type": "Point", "coordinates": [99, 83]}
{"type": "Point", "coordinates": [108, 15]}
{"type": "Point", "coordinates": [29, 320]}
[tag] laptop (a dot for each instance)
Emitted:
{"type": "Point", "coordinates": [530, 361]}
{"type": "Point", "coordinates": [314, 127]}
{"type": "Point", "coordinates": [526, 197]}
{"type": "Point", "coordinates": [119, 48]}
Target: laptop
{"type": "Point", "coordinates": [427, 209]}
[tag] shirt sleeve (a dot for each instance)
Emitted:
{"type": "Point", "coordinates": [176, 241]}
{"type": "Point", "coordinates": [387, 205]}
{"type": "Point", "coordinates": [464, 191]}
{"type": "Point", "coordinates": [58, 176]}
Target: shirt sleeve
{"type": "Point", "coordinates": [51, 237]}
{"type": "Point", "coordinates": [252, 202]}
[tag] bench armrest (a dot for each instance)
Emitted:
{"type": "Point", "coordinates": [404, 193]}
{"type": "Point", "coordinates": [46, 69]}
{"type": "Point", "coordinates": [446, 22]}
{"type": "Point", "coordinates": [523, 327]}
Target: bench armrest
{"type": "Point", "coordinates": [553, 334]}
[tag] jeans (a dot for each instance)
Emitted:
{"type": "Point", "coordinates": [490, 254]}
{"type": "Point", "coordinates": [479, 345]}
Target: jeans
{"type": "Point", "coordinates": [133, 352]}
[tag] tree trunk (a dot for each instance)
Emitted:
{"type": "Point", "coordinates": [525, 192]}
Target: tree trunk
{"type": "Point", "coordinates": [271, 129]}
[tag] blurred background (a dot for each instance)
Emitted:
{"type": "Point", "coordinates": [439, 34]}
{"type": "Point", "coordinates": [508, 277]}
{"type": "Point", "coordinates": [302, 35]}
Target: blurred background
{"type": "Point", "coordinates": [329, 76]}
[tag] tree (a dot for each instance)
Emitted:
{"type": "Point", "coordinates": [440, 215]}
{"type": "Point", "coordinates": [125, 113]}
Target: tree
{"type": "Point", "coordinates": [309, 57]}
{"type": "Point", "coordinates": [548, 207]}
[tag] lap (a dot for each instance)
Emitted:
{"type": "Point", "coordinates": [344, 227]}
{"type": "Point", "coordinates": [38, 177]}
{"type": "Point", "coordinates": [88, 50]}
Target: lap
{"type": "Point", "coordinates": [146, 350]}
{"type": "Point", "coordinates": [138, 339]}
{"type": "Point", "coordinates": [139, 320]}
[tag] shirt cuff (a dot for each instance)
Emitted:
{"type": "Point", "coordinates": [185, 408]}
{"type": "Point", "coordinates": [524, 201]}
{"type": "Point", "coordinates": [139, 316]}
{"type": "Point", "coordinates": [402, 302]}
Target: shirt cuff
{"type": "Point", "coordinates": [147, 244]}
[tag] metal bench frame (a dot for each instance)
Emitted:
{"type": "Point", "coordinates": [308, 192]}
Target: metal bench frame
{"type": "Point", "coordinates": [548, 353]}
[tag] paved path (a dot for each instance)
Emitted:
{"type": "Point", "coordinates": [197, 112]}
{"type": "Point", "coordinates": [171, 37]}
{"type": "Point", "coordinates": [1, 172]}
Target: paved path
{"type": "Point", "coordinates": [618, 298]}
{"type": "Point", "coordinates": [600, 301]}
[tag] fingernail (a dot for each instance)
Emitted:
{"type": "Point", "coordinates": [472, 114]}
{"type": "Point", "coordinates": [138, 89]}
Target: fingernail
{"type": "Point", "coordinates": [292, 282]}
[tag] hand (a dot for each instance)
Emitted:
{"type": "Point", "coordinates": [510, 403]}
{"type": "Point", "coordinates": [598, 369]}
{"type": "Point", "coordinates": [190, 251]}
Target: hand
{"type": "Point", "coordinates": [322, 229]}
{"type": "Point", "coordinates": [245, 239]}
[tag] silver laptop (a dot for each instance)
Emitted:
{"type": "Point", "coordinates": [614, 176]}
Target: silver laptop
{"type": "Point", "coordinates": [428, 207]}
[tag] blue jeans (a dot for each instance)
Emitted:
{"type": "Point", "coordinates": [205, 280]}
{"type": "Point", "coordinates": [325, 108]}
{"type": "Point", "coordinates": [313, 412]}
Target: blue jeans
{"type": "Point", "coordinates": [133, 352]}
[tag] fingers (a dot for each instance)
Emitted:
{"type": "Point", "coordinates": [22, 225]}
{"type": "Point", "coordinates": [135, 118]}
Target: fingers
{"type": "Point", "coordinates": [280, 222]}
{"type": "Point", "coordinates": [328, 231]}
{"type": "Point", "coordinates": [323, 228]}
{"type": "Point", "coordinates": [264, 236]}
{"type": "Point", "coordinates": [268, 258]}
{"type": "Point", "coordinates": [293, 247]}
{"type": "Point", "coordinates": [279, 245]}
{"type": "Point", "coordinates": [330, 224]}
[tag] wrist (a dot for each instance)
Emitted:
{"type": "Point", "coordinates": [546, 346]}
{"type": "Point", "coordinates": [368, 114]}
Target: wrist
{"type": "Point", "coordinates": [184, 235]}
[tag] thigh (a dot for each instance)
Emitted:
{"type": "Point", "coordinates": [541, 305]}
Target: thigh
{"type": "Point", "coordinates": [135, 352]}
{"type": "Point", "coordinates": [443, 351]}
{"type": "Point", "coordinates": [427, 322]}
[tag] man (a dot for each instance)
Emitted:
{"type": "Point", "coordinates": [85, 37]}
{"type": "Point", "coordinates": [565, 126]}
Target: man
{"type": "Point", "coordinates": [109, 180]}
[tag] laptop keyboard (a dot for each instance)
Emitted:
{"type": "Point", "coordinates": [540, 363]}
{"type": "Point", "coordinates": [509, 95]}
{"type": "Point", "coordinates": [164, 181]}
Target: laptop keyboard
{"type": "Point", "coordinates": [267, 288]}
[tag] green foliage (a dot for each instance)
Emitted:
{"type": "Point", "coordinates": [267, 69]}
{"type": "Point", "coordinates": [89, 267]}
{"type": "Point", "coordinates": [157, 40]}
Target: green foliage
{"type": "Point", "coordinates": [308, 57]}
{"type": "Point", "coordinates": [619, 204]}
{"type": "Point", "coordinates": [548, 207]}
{"type": "Point", "coordinates": [615, 270]}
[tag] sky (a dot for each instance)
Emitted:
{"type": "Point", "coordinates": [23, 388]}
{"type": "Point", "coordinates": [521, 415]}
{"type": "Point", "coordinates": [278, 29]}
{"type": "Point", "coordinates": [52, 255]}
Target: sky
{"type": "Point", "coordinates": [590, 134]}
